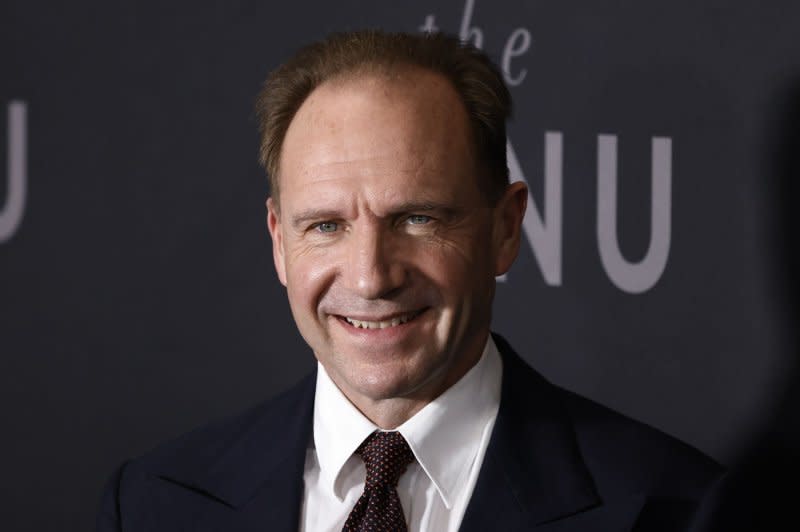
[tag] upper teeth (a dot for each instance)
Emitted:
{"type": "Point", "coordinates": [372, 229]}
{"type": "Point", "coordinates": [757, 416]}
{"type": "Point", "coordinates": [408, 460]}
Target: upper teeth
{"type": "Point", "coordinates": [362, 324]}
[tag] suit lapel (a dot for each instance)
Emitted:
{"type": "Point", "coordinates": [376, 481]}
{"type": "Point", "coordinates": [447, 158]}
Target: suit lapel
{"type": "Point", "coordinates": [533, 472]}
{"type": "Point", "coordinates": [256, 467]}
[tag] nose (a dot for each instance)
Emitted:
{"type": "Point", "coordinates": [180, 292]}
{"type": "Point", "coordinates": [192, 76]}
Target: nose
{"type": "Point", "coordinates": [373, 269]}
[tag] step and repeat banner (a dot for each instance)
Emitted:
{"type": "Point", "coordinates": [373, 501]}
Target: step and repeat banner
{"type": "Point", "coordinates": [137, 293]}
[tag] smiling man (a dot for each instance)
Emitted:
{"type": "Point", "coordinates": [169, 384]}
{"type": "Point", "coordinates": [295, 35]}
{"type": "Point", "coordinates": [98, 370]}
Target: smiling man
{"type": "Point", "coordinates": [384, 239]}
{"type": "Point", "coordinates": [391, 215]}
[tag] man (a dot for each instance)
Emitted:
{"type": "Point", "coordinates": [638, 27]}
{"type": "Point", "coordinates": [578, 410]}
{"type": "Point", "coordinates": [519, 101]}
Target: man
{"type": "Point", "coordinates": [391, 215]}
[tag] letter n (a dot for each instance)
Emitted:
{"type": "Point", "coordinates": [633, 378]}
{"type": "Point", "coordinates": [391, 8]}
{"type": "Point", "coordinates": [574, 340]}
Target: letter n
{"type": "Point", "coordinates": [544, 232]}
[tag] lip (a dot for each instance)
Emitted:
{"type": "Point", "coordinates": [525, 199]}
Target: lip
{"type": "Point", "coordinates": [383, 317]}
{"type": "Point", "coordinates": [387, 333]}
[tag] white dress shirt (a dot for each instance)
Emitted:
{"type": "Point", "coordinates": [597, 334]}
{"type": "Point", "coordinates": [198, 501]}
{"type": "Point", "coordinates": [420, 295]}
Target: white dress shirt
{"type": "Point", "coordinates": [448, 436]}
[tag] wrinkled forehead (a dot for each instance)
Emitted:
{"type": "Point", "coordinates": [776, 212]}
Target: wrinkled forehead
{"type": "Point", "coordinates": [410, 121]}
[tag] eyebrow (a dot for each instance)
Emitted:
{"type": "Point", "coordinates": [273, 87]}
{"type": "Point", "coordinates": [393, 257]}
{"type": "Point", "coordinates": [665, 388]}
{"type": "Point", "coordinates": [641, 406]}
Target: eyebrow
{"type": "Point", "coordinates": [302, 218]}
{"type": "Point", "coordinates": [308, 215]}
{"type": "Point", "coordinates": [424, 206]}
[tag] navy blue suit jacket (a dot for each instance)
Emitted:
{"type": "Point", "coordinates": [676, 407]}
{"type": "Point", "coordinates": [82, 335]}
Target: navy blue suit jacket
{"type": "Point", "coordinates": [555, 462]}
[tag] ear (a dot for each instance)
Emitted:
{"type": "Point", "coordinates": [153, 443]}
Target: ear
{"type": "Point", "coordinates": [508, 215]}
{"type": "Point", "coordinates": [274, 225]}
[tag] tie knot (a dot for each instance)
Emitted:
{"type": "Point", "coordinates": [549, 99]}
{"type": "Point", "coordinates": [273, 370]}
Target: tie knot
{"type": "Point", "coordinates": [386, 456]}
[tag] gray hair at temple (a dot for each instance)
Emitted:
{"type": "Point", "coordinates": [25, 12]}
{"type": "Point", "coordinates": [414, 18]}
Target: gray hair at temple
{"type": "Point", "coordinates": [476, 80]}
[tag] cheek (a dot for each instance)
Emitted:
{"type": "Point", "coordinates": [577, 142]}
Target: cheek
{"type": "Point", "coordinates": [304, 289]}
{"type": "Point", "coordinates": [463, 272]}
{"type": "Point", "coordinates": [445, 268]}
{"type": "Point", "coordinates": [308, 278]}
{"type": "Point", "coordinates": [457, 265]}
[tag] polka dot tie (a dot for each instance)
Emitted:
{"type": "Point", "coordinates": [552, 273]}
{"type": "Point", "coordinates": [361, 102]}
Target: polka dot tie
{"type": "Point", "coordinates": [386, 456]}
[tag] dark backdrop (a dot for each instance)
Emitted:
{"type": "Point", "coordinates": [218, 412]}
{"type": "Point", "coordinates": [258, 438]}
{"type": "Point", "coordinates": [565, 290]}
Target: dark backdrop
{"type": "Point", "coordinates": [137, 294]}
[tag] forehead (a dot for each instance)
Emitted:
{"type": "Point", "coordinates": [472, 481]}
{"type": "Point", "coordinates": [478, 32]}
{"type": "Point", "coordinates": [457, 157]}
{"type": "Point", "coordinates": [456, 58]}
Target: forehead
{"type": "Point", "coordinates": [370, 126]}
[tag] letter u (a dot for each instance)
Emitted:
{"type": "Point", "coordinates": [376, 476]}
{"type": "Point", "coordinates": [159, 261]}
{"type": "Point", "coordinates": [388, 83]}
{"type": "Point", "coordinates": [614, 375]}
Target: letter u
{"type": "Point", "coordinates": [634, 278]}
{"type": "Point", "coordinates": [16, 172]}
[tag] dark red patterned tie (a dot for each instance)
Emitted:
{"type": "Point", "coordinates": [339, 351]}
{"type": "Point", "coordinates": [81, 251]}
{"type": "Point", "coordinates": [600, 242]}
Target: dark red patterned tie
{"type": "Point", "coordinates": [386, 456]}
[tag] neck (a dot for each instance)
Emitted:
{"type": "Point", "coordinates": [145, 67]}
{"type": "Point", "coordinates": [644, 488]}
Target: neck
{"type": "Point", "coordinates": [389, 412]}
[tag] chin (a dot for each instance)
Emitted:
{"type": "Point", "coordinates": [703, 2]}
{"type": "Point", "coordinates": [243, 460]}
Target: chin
{"type": "Point", "coordinates": [399, 383]}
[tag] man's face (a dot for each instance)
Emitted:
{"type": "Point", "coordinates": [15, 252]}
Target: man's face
{"type": "Point", "coordinates": [383, 239]}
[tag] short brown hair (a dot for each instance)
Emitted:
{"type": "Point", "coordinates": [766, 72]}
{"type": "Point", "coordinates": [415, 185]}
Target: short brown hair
{"type": "Point", "coordinates": [477, 81]}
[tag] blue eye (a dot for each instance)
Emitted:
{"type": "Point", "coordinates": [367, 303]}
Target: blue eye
{"type": "Point", "coordinates": [418, 219]}
{"type": "Point", "coordinates": [327, 227]}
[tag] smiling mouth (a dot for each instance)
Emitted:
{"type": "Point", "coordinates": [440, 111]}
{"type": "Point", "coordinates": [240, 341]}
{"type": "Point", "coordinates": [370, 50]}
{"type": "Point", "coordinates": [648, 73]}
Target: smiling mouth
{"type": "Point", "coordinates": [400, 319]}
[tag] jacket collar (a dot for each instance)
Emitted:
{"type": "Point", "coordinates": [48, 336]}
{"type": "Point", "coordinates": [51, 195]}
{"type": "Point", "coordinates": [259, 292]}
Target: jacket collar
{"type": "Point", "coordinates": [533, 472]}
{"type": "Point", "coordinates": [261, 450]}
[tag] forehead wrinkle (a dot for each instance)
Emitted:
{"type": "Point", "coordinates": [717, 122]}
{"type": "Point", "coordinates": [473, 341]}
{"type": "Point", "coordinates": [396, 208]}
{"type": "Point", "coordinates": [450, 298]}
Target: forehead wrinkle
{"type": "Point", "coordinates": [365, 166]}
{"type": "Point", "coordinates": [339, 181]}
{"type": "Point", "coordinates": [352, 158]}
{"type": "Point", "coordinates": [413, 168]}
{"type": "Point", "coordinates": [343, 201]}
{"type": "Point", "coordinates": [336, 136]}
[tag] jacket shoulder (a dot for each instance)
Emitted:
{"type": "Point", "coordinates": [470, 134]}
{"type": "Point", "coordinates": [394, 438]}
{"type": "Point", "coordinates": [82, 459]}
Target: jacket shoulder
{"type": "Point", "coordinates": [222, 464]}
{"type": "Point", "coordinates": [629, 456]}
{"type": "Point", "coordinates": [262, 424]}
{"type": "Point", "coordinates": [625, 457]}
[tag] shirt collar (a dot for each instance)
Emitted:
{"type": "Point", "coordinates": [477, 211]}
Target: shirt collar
{"type": "Point", "coordinates": [339, 428]}
{"type": "Point", "coordinates": [445, 435]}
